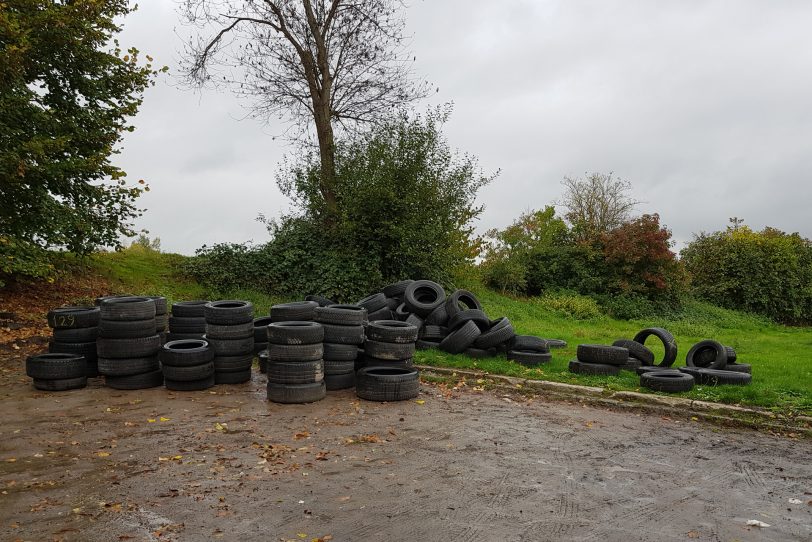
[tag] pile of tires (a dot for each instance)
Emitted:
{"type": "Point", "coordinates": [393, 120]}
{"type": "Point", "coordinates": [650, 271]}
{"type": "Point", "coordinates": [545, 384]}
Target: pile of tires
{"type": "Point", "coordinates": [599, 359]}
{"type": "Point", "coordinates": [57, 371]}
{"type": "Point", "coordinates": [639, 352]}
{"type": "Point", "coordinates": [713, 364]}
{"type": "Point", "coordinates": [295, 365]}
{"type": "Point", "coordinates": [127, 344]}
{"type": "Point", "coordinates": [387, 384]}
{"type": "Point", "coordinates": [230, 334]}
{"type": "Point", "coordinates": [161, 316]}
{"type": "Point", "coordinates": [343, 336]}
{"type": "Point", "coordinates": [389, 343]}
{"type": "Point", "coordinates": [75, 330]}
{"type": "Point", "coordinates": [188, 320]}
{"type": "Point", "coordinates": [187, 365]}
{"type": "Point", "coordinates": [378, 307]}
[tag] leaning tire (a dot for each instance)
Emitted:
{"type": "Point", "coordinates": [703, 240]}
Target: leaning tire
{"type": "Point", "coordinates": [423, 296]}
{"type": "Point", "coordinates": [55, 366]}
{"type": "Point", "coordinates": [716, 360]}
{"type": "Point", "coordinates": [387, 384]}
{"type": "Point", "coordinates": [297, 393]}
{"type": "Point", "coordinates": [461, 339]}
{"type": "Point", "coordinates": [600, 369]}
{"type": "Point", "coordinates": [373, 303]}
{"type": "Point", "coordinates": [668, 381]}
{"type": "Point", "coordinates": [397, 289]}
{"type": "Point", "coordinates": [142, 381]}
{"type": "Point", "coordinates": [461, 300]}
{"type": "Point", "coordinates": [636, 350]}
{"type": "Point", "coordinates": [668, 340]}
{"type": "Point", "coordinates": [62, 384]}
{"type": "Point", "coordinates": [598, 353]}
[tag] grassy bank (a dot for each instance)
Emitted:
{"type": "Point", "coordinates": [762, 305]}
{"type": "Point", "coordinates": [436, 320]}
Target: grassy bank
{"type": "Point", "coordinates": [782, 365]}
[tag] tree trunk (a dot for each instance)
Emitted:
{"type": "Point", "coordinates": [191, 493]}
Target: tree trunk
{"type": "Point", "coordinates": [327, 150]}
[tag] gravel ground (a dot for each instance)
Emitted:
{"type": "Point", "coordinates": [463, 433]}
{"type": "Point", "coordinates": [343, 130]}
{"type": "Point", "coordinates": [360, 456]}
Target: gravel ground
{"type": "Point", "coordinates": [456, 465]}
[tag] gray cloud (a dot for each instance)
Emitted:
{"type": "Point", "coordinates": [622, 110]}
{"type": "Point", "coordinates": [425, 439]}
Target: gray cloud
{"type": "Point", "coordinates": [702, 105]}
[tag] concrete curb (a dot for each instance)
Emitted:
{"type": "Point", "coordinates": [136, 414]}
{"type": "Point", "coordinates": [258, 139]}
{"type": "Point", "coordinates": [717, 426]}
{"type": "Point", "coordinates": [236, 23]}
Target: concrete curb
{"type": "Point", "coordinates": [671, 406]}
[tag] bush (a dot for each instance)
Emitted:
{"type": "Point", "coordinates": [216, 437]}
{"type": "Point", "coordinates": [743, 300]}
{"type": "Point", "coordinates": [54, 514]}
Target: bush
{"type": "Point", "coordinates": [767, 272]}
{"type": "Point", "coordinates": [572, 305]}
{"type": "Point", "coordinates": [578, 268]}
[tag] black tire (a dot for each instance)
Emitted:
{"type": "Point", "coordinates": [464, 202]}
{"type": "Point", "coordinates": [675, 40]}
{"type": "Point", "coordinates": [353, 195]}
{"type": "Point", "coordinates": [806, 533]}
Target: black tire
{"type": "Point", "coordinates": [261, 329]}
{"type": "Point", "coordinates": [190, 324]}
{"type": "Point", "coordinates": [56, 366]}
{"type": "Point", "coordinates": [739, 368]}
{"type": "Point", "coordinates": [102, 299]}
{"type": "Point", "coordinates": [731, 354]}
{"type": "Point", "coordinates": [528, 343]}
{"type": "Point", "coordinates": [373, 303]}
{"type": "Point", "coordinates": [190, 373]}
{"type": "Point", "coordinates": [461, 300]}
{"type": "Point", "coordinates": [239, 377]}
{"type": "Point", "coordinates": [192, 385]}
{"type": "Point", "coordinates": [295, 352]}
{"type": "Point", "coordinates": [295, 372]}
{"type": "Point", "coordinates": [396, 289]}
{"type": "Point", "coordinates": [416, 321]}
{"type": "Point", "coordinates": [632, 364]}
{"type": "Point", "coordinates": [190, 309]}
{"type": "Point", "coordinates": [142, 381]}
{"type": "Point", "coordinates": [389, 351]}
{"type": "Point", "coordinates": [500, 331]}
{"type": "Point", "coordinates": [423, 296]}
{"type": "Point", "coordinates": [160, 303]}
{"type": "Point", "coordinates": [599, 353]}
{"type": "Point", "coordinates": [185, 353]}
{"type": "Point", "coordinates": [387, 384]}
{"type": "Point", "coordinates": [260, 347]}
{"type": "Point", "coordinates": [297, 393]}
{"type": "Point", "coordinates": [668, 381]}
{"type": "Point", "coordinates": [126, 329]}
{"type": "Point", "coordinates": [382, 314]}
{"type": "Point", "coordinates": [161, 322]}
{"type": "Point", "coordinates": [172, 336]}
{"type": "Point", "coordinates": [341, 381]}
{"type": "Point", "coordinates": [62, 384]}
{"type": "Point", "coordinates": [77, 335]}
{"type": "Point", "coordinates": [432, 332]}
{"type": "Point", "coordinates": [301, 332]}
{"type": "Point", "coordinates": [529, 359]}
{"type": "Point", "coordinates": [423, 344]}
{"type": "Point", "coordinates": [88, 350]}
{"type": "Point", "coordinates": [398, 364]}
{"type": "Point", "coordinates": [715, 377]}
{"type": "Point", "coordinates": [342, 315]}
{"type": "Point", "coordinates": [128, 348]}
{"type": "Point", "coordinates": [461, 339]}
{"type": "Point", "coordinates": [229, 312]}
{"type": "Point", "coordinates": [555, 343]}
{"type": "Point", "coordinates": [473, 315]}
{"type": "Point", "coordinates": [636, 350]}
{"type": "Point", "coordinates": [338, 367]}
{"type": "Point", "coordinates": [229, 332]}
{"type": "Point", "coordinates": [322, 301]}
{"type": "Point", "coordinates": [716, 358]}
{"type": "Point", "coordinates": [401, 312]}
{"type": "Point", "coordinates": [127, 367]}
{"type": "Point", "coordinates": [232, 347]}
{"type": "Point", "coordinates": [262, 359]}
{"type": "Point", "coordinates": [600, 369]}
{"type": "Point", "coordinates": [669, 343]}
{"type": "Point", "coordinates": [391, 331]}
{"type": "Point", "coordinates": [338, 334]}
{"type": "Point", "coordinates": [233, 364]}
{"type": "Point", "coordinates": [653, 368]}
{"type": "Point", "coordinates": [128, 308]}
{"type": "Point", "coordinates": [73, 317]}
{"type": "Point", "coordinates": [295, 311]}
{"type": "Point", "coordinates": [438, 317]}
{"type": "Point", "coordinates": [392, 303]}
{"type": "Point", "coordinates": [340, 352]}
{"type": "Point", "coordinates": [479, 353]}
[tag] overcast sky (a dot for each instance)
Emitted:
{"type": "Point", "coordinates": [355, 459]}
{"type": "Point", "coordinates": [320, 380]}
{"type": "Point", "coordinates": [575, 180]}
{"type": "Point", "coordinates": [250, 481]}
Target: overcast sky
{"type": "Point", "coordinates": [704, 106]}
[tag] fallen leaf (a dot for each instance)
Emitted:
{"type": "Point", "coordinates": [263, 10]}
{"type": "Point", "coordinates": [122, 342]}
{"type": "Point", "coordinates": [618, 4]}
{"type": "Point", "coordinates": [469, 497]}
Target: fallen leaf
{"type": "Point", "coordinates": [164, 419]}
{"type": "Point", "coordinates": [757, 523]}
{"type": "Point", "coordinates": [301, 435]}
{"type": "Point", "coordinates": [693, 534]}
{"type": "Point", "coordinates": [222, 427]}
{"type": "Point", "coordinates": [103, 454]}
{"type": "Point", "coordinates": [795, 501]}
{"type": "Point", "coordinates": [11, 460]}
{"type": "Point", "coordinates": [301, 535]}
{"type": "Point", "coordinates": [420, 402]}
{"type": "Point", "coordinates": [150, 420]}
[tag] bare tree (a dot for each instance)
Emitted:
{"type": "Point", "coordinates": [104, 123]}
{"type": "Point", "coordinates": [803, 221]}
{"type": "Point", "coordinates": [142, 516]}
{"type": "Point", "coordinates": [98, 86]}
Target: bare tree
{"type": "Point", "coordinates": [311, 63]}
{"type": "Point", "coordinates": [597, 204]}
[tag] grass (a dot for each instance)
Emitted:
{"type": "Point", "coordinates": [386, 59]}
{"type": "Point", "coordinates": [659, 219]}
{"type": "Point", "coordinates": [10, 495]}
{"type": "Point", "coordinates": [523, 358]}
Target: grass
{"type": "Point", "coordinates": [782, 365]}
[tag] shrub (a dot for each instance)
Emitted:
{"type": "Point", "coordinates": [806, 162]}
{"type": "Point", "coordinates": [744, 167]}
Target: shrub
{"type": "Point", "coordinates": [572, 305]}
{"type": "Point", "coordinates": [579, 268]}
{"type": "Point", "coordinates": [767, 272]}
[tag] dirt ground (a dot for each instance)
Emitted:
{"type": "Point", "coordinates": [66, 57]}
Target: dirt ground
{"type": "Point", "coordinates": [466, 465]}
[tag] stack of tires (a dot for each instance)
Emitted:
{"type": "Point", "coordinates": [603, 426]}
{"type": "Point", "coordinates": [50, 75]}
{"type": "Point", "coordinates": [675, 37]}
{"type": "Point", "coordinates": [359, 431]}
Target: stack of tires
{"type": "Point", "coordinates": [295, 363]}
{"type": "Point", "coordinates": [57, 371]}
{"type": "Point", "coordinates": [187, 365]}
{"type": "Point", "coordinates": [128, 345]}
{"type": "Point", "coordinates": [188, 320]}
{"type": "Point", "coordinates": [708, 362]}
{"type": "Point", "coordinates": [526, 350]}
{"type": "Point", "coordinates": [75, 330]}
{"type": "Point", "coordinates": [343, 335]}
{"type": "Point", "coordinates": [599, 359]}
{"type": "Point", "coordinates": [161, 317]}
{"type": "Point", "coordinates": [390, 343]}
{"type": "Point", "coordinates": [230, 333]}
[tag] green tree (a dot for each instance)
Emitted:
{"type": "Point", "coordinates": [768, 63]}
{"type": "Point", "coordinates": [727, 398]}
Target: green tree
{"type": "Point", "coordinates": [67, 92]}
